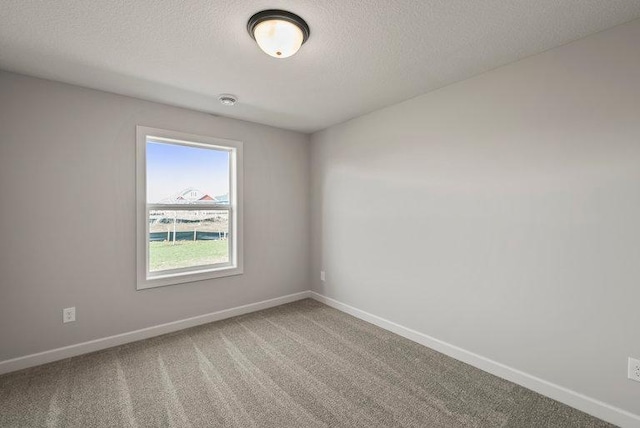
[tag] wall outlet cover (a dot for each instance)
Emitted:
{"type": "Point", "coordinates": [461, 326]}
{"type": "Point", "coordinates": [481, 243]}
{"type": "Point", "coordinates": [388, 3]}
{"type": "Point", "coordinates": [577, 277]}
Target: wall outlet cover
{"type": "Point", "coordinates": [321, 275]}
{"type": "Point", "coordinates": [634, 369]}
{"type": "Point", "coordinates": [68, 314]}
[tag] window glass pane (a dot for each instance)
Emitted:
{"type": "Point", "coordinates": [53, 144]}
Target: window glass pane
{"type": "Point", "coordinates": [178, 174]}
{"type": "Point", "coordinates": [184, 238]}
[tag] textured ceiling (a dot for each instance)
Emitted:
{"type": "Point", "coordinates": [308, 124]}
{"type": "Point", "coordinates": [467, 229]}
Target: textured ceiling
{"type": "Point", "coordinates": [362, 54]}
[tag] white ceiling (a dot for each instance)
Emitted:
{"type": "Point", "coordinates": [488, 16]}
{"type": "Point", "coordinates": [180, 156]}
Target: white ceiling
{"type": "Point", "coordinates": [362, 54]}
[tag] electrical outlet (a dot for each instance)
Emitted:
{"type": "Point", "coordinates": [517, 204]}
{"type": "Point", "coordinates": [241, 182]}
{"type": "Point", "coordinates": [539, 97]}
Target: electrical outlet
{"type": "Point", "coordinates": [69, 315]}
{"type": "Point", "coordinates": [322, 275]}
{"type": "Point", "coordinates": [634, 369]}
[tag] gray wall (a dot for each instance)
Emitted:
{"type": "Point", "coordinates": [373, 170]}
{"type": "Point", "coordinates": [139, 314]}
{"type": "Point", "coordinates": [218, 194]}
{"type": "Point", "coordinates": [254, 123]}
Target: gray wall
{"type": "Point", "coordinates": [500, 214]}
{"type": "Point", "coordinates": [67, 170]}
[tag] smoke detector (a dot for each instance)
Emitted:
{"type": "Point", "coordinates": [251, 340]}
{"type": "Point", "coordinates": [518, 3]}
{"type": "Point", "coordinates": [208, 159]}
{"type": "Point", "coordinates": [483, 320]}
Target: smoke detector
{"type": "Point", "coordinates": [227, 99]}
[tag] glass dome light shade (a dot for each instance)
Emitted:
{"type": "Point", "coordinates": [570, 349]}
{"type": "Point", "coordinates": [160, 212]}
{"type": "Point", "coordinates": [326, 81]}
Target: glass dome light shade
{"type": "Point", "coordinates": [278, 38]}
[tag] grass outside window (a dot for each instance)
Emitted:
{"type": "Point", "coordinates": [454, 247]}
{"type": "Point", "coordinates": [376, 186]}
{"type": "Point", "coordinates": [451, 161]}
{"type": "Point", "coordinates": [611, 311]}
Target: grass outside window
{"type": "Point", "coordinates": [166, 255]}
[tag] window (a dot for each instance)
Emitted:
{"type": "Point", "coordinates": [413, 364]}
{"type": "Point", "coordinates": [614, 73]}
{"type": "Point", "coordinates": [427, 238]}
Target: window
{"type": "Point", "coordinates": [189, 207]}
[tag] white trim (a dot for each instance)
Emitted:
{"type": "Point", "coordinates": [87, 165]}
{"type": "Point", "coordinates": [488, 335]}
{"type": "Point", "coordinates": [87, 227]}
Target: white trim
{"type": "Point", "coordinates": [564, 395]}
{"type": "Point", "coordinates": [146, 279]}
{"type": "Point", "coordinates": [144, 333]}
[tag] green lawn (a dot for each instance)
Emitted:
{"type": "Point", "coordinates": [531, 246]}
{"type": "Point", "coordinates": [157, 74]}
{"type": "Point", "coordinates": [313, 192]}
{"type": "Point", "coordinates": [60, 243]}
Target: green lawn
{"type": "Point", "coordinates": [166, 255]}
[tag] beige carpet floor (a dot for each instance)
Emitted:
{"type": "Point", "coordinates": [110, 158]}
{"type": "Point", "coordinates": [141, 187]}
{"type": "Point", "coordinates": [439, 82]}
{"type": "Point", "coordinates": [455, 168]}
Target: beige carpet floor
{"type": "Point", "coordinates": [298, 365]}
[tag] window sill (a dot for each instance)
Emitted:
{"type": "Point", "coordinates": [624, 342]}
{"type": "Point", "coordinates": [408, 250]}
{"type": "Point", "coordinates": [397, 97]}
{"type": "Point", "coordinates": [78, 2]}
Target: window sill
{"type": "Point", "coordinates": [186, 277]}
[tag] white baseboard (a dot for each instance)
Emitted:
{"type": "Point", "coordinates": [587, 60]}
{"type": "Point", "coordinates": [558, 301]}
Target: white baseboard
{"type": "Point", "coordinates": [571, 398]}
{"type": "Point", "coordinates": [145, 333]}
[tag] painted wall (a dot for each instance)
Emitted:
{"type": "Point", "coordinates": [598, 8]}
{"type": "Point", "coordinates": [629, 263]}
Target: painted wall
{"type": "Point", "coordinates": [67, 171]}
{"type": "Point", "coordinates": [500, 214]}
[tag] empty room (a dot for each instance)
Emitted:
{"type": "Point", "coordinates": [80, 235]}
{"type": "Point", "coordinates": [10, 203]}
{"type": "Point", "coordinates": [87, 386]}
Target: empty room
{"type": "Point", "coordinates": [337, 213]}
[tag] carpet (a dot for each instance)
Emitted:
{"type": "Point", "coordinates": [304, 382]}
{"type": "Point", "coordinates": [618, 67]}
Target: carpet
{"type": "Point", "coordinates": [302, 364]}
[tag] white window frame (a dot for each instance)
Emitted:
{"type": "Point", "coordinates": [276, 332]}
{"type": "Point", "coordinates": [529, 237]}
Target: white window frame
{"type": "Point", "coordinates": [146, 279]}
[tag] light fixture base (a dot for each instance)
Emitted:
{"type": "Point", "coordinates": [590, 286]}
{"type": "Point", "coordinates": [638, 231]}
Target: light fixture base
{"type": "Point", "coordinates": [283, 15]}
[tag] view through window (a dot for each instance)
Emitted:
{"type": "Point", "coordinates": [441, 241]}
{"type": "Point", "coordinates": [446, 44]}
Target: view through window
{"type": "Point", "coordinates": [179, 176]}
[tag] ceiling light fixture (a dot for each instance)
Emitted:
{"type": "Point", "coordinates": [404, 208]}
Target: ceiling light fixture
{"type": "Point", "coordinates": [227, 99]}
{"type": "Point", "coordinates": [278, 33]}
